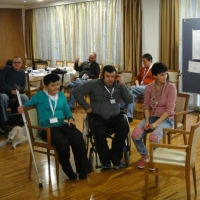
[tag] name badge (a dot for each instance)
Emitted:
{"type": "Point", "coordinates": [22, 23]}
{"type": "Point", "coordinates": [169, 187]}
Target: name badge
{"type": "Point", "coordinates": [53, 120]}
{"type": "Point", "coordinates": [112, 101]}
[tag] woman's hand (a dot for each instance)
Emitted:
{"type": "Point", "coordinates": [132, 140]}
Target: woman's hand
{"type": "Point", "coordinates": [20, 109]}
{"type": "Point", "coordinates": [153, 126]}
{"type": "Point", "coordinates": [70, 122]}
{"type": "Point", "coordinates": [146, 125]}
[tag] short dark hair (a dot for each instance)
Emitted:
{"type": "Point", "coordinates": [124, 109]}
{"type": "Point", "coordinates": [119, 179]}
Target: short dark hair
{"type": "Point", "coordinates": [108, 68]}
{"type": "Point", "coordinates": [50, 78]}
{"type": "Point", "coordinates": [158, 68]}
{"type": "Point", "coordinates": [147, 56]}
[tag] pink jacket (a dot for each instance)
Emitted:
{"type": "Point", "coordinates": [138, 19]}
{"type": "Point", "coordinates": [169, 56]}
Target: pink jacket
{"type": "Point", "coordinates": [160, 101]}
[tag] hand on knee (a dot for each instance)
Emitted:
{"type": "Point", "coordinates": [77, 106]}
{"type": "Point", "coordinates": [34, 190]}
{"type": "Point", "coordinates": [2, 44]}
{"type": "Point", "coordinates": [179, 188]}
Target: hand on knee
{"type": "Point", "coordinates": [153, 138]}
{"type": "Point", "coordinates": [137, 132]}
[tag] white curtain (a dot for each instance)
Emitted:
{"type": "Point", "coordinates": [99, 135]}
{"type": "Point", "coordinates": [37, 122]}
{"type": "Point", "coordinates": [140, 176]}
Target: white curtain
{"type": "Point", "coordinates": [69, 31]}
{"type": "Point", "coordinates": [188, 9]}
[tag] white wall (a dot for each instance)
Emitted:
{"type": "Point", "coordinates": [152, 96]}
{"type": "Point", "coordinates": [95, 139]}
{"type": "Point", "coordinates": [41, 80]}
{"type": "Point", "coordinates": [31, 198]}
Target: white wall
{"type": "Point", "coordinates": [151, 28]}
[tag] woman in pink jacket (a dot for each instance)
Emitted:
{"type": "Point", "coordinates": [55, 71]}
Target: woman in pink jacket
{"type": "Point", "coordinates": [159, 104]}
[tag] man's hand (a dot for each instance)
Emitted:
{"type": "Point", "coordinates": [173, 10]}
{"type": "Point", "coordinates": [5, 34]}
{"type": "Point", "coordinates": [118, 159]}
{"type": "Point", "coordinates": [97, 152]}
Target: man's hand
{"type": "Point", "coordinates": [13, 92]}
{"type": "Point", "coordinates": [89, 110]}
{"type": "Point", "coordinates": [76, 60]}
{"type": "Point", "coordinates": [119, 78]}
{"type": "Point", "coordinates": [20, 109]}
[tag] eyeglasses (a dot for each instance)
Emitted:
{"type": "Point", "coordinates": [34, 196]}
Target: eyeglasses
{"type": "Point", "coordinates": [16, 62]}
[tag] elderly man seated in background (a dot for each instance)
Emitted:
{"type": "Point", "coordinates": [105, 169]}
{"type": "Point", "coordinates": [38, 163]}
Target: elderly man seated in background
{"type": "Point", "coordinates": [88, 70]}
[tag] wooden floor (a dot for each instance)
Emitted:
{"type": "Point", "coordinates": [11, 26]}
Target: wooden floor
{"type": "Point", "coordinates": [123, 184]}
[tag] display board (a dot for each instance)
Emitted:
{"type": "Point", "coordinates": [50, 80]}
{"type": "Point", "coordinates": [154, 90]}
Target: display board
{"type": "Point", "coordinates": [190, 66]}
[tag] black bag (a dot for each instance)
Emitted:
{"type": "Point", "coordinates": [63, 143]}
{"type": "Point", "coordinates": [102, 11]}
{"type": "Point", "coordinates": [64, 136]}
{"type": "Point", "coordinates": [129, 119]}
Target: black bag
{"type": "Point", "coordinates": [58, 71]}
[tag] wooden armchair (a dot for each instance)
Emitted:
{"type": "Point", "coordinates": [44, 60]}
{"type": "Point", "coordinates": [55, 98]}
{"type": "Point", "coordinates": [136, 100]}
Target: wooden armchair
{"type": "Point", "coordinates": [38, 144]}
{"type": "Point", "coordinates": [165, 157]}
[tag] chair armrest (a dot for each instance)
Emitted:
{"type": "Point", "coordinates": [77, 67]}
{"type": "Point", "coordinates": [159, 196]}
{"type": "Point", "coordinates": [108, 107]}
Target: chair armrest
{"type": "Point", "coordinates": [48, 132]}
{"type": "Point", "coordinates": [152, 145]}
{"type": "Point", "coordinates": [176, 115]}
{"type": "Point", "coordinates": [173, 131]}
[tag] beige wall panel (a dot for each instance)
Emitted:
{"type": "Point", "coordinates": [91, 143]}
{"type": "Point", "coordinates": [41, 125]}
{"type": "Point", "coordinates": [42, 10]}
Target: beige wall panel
{"type": "Point", "coordinates": [11, 35]}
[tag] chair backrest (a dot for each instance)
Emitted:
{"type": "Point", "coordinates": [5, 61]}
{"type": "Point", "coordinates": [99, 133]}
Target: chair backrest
{"type": "Point", "coordinates": [27, 86]}
{"type": "Point", "coordinates": [49, 63]}
{"type": "Point", "coordinates": [182, 101]}
{"type": "Point", "coordinates": [59, 63]}
{"type": "Point", "coordinates": [117, 68]}
{"type": "Point", "coordinates": [28, 62]}
{"type": "Point", "coordinates": [70, 64]}
{"type": "Point", "coordinates": [40, 65]}
{"type": "Point", "coordinates": [192, 142]}
{"type": "Point", "coordinates": [174, 77]}
{"type": "Point", "coordinates": [128, 76]}
{"type": "Point", "coordinates": [32, 119]}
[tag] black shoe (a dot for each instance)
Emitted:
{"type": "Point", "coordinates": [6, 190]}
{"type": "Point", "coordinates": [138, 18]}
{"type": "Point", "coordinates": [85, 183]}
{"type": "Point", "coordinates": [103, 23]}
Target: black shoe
{"type": "Point", "coordinates": [106, 166]}
{"type": "Point", "coordinates": [130, 119]}
{"type": "Point", "coordinates": [82, 177]}
{"type": "Point", "coordinates": [2, 132]}
{"type": "Point", "coordinates": [118, 166]}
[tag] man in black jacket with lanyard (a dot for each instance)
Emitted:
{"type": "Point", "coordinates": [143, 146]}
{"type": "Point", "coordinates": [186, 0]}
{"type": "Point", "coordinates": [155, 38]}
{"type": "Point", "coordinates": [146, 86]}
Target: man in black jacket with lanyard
{"type": "Point", "coordinates": [88, 70]}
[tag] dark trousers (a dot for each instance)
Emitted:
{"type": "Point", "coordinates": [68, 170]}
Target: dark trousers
{"type": "Point", "coordinates": [62, 138]}
{"type": "Point", "coordinates": [120, 127]}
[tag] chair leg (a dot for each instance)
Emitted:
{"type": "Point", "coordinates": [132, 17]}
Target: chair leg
{"type": "Point", "coordinates": [185, 139]}
{"type": "Point", "coordinates": [194, 180]}
{"type": "Point", "coordinates": [169, 138]}
{"type": "Point", "coordinates": [30, 165]}
{"type": "Point", "coordinates": [146, 180]}
{"type": "Point", "coordinates": [145, 139]}
{"type": "Point", "coordinates": [187, 177]}
{"type": "Point", "coordinates": [156, 177]}
{"type": "Point", "coordinates": [57, 167]}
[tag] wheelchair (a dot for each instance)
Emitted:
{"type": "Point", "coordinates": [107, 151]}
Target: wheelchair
{"type": "Point", "coordinates": [91, 148]}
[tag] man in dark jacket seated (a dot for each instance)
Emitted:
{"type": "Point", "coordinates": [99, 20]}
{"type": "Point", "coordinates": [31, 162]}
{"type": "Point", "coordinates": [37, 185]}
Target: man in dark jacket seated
{"type": "Point", "coordinates": [10, 77]}
{"type": "Point", "coordinates": [88, 70]}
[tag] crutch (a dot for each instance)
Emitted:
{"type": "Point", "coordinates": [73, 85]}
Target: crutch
{"type": "Point", "coordinates": [29, 139]}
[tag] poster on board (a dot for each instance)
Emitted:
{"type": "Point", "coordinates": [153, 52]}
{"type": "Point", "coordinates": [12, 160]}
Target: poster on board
{"type": "Point", "coordinates": [195, 44]}
{"type": "Point", "coordinates": [194, 67]}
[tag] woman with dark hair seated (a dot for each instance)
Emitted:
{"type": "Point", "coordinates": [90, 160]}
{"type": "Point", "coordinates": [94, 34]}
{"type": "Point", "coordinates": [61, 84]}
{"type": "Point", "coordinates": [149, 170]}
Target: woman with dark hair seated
{"type": "Point", "coordinates": [159, 104]}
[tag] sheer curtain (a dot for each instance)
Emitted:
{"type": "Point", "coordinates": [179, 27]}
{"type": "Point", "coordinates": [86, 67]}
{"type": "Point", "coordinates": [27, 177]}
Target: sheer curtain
{"type": "Point", "coordinates": [74, 30]}
{"type": "Point", "coordinates": [188, 9]}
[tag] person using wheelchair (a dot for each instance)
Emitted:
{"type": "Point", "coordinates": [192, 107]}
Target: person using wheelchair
{"type": "Point", "coordinates": [105, 96]}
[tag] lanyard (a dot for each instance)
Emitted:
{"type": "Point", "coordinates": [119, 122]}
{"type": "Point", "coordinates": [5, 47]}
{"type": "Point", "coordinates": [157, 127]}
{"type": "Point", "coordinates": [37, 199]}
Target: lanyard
{"type": "Point", "coordinates": [111, 93]}
{"type": "Point", "coordinates": [51, 106]}
{"type": "Point", "coordinates": [145, 74]}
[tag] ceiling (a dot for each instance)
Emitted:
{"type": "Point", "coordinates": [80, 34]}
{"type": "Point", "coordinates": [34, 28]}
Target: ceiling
{"type": "Point", "coordinates": [36, 3]}
{"type": "Point", "coordinates": [28, 2]}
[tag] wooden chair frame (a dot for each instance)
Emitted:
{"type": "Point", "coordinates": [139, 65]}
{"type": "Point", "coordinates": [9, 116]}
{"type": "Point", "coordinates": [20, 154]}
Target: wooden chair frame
{"type": "Point", "coordinates": [36, 141]}
{"type": "Point", "coordinates": [156, 161]}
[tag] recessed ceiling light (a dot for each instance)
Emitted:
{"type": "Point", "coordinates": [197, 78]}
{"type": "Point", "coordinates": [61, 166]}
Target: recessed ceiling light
{"type": "Point", "coordinates": [24, 1]}
{"type": "Point", "coordinates": [39, 0]}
